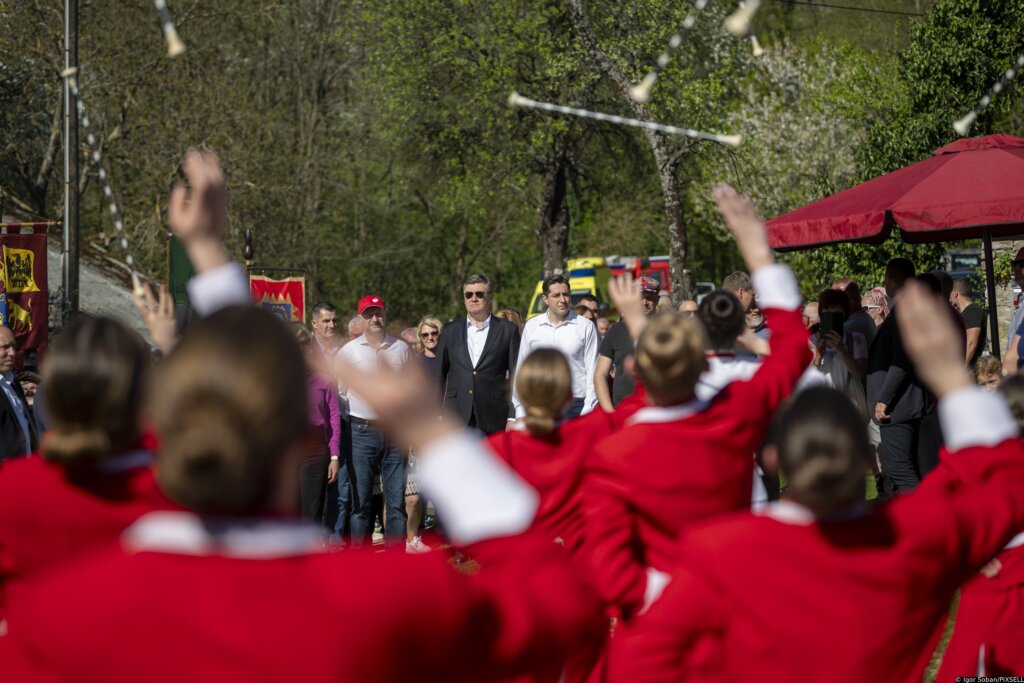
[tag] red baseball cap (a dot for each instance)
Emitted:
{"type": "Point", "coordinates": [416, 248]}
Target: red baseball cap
{"type": "Point", "coordinates": [370, 301]}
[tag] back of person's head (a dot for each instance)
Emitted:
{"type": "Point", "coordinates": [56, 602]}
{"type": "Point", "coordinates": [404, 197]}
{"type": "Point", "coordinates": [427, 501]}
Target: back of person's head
{"type": "Point", "coordinates": [544, 385]}
{"type": "Point", "coordinates": [834, 298]}
{"type": "Point", "coordinates": [95, 376]}
{"type": "Point", "coordinates": [230, 404]}
{"type": "Point", "coordinates": [736, 281]}
{"type": "Point", "coordinates": [723, 318]}
{"type": "Point", "coordinates": [302, 335]}
{"type": "Point", "coordinates": [670, 358]}
{"type": "Point", "coordinates": [945, 281]}
{"type": "Point", "coordinates": [987, 366]}
{"type": "Point", "coordinates": [963, 286]}
{"type": "Point", "coordinates": [823, 448]}
{"type": "Point", "coordinates": [899, 270]}
{"type": "Point", "coordinates": [1012, 389]}
{"type": "Point", "coordinates": [852, 290]}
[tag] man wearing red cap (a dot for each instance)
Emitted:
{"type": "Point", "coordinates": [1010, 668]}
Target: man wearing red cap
{"type": "Point", "coordinates": [371, 453]}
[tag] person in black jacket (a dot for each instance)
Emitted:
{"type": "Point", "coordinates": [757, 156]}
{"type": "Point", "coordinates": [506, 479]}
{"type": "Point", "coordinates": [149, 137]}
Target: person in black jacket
{"type": "Point", "coordinates": [17, 430]}
{"type": "Point", "coordinates": [896, 396]}
{"type": "Point", "coordinates": [476, 359]}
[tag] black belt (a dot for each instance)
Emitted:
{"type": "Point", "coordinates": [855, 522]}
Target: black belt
{"type": "Point", "coordinates": [360, 421]}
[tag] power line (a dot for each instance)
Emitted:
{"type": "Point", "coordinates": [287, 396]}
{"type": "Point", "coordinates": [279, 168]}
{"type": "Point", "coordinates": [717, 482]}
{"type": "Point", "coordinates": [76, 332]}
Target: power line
{"type": "Point", "coordinates": [848, 8]}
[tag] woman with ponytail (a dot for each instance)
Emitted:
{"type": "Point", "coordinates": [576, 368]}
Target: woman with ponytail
{"type": "Point", "coordinates": [232, 589]}
{"type": "Point", "coordinates": [823, 586]}
{"type": "Point", "coordinates": [94, 477]}
{"type": "Point", "coordinates": [683, 459]}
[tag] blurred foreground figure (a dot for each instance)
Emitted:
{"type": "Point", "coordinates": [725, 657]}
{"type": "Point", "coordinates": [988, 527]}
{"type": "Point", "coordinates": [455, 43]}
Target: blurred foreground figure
{"type": "Point", "coordinates": [857, 592]}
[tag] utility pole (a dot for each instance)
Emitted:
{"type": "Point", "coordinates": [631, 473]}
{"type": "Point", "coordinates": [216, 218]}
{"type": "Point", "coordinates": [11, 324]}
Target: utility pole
{"type": "Point", "coordinates": [69, 254]}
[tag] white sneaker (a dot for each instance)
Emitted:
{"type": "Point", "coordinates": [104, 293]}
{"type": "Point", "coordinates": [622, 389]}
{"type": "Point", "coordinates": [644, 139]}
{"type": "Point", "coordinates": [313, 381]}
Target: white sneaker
{"type": "Point", "coordinates": [416, 546]}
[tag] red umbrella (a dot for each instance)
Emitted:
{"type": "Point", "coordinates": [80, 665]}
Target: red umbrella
{"type": "Point", "coordinates": [972, 188]}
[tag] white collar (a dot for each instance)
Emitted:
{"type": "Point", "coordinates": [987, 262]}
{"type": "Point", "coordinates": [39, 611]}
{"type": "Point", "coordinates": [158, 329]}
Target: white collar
{"type": "Point", "coordinates": [186, 533]}
{"type": "Point", "coordinates": [483, 326]}
{"type": "Point", "coordinates": [792, 512]}
{"type": "Point", "coordinates": [386, 344]}
{"type": "Point", "coordinates": [788, 512]}
{"type": "Point", "coordinates": [655, 414]}
{"type": "Point", "coordinates": [569, 319]}
{"type": "Point", "coordinates": [8, 377]}
{"type": "Point", "coordinates": [129, 460]}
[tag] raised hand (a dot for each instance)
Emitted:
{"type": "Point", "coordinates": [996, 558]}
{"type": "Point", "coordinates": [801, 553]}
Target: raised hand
{"type": "Point", "coordinates": [629, 302]}
{"type": "Point", "coordinates": [931, 339]}
{"type": "Point", "coordinates": [158, 314]}
{"type": "Point", "coordinates": [198, 213]}
{"type": "Point", "coordinates": [746, 226]}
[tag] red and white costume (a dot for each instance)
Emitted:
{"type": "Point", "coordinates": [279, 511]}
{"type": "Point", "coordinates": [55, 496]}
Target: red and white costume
{"type": "Point", "coordinates": [554, 465]}
{"type": "Point", "coordinates": [203, 599]}
{"type": "Point", "coordinates": [675, 466]}
{"type": "Point", "coordinates": [50, 513]}
{"type": "Point", "coordinates": [783, 596]}
{"type": "Point", "coordinates": [990, 614]}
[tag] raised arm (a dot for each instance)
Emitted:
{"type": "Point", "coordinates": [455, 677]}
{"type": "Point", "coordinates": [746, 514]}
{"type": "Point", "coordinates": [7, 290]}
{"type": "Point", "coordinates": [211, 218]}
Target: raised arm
{"type": "Point", "coordinates": [779, 297]}
{"type": "Point", "coordinates": [198, 216]}
{"type": "Point", "coordinates": [977, 489]}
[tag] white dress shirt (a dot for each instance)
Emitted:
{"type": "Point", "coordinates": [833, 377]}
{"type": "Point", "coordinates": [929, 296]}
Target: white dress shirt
{"type": "Point", "coordinates": [359, 353]}
{"type": "Point", "coordinates": [7, 384]}
{"type": "Point", "coordinates": [576, 338]}
{"type": "Point", "coordinates": [476, 337]}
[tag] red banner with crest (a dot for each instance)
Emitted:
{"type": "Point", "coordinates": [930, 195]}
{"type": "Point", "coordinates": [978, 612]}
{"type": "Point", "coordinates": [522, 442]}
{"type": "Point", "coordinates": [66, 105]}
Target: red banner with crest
{"type": "Point", "coordinates": [283, 297]}
{"type": "Point", "coordinates": [23, 274]}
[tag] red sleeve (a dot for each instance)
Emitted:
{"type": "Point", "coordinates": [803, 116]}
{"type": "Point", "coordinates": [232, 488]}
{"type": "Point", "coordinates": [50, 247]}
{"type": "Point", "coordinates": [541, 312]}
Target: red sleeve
{"type": "Point", "coordinates": [978, 490]}
{"type": "Point", "coordinates": [756, 400]}
{"type": "Point", "coordinates": [619, 576]}
{"type": "Point", "coordinates": [655, 646]}
{"type": "Point", "coordinates": [525, 610]}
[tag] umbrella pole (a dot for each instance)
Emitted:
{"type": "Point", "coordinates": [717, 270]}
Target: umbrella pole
{"type": "Point", "coordinates": [993, 319]}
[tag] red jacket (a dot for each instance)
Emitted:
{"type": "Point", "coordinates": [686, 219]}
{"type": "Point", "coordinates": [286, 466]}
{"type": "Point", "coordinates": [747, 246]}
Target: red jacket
{"type": "Point", "coordinates": [553, 464]}
{"type": "Point", "coordinates": [782, 596]}
{"type": "Point", "coordinates": [184, 598]}
{"type": "Point", "coordinates": [991, 613]}
{"type": "Point", "coordinates": [683, 464]}
{"type": "Point", "coordinates": [49, 515]}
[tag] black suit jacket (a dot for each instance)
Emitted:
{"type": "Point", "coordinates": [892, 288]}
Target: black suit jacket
{"type": "Point", "coordinates": [482, 390]}
{"type": "Point", "coordinates": [891, 376]}
{"type": "Point", "coordinates": [12, 439]}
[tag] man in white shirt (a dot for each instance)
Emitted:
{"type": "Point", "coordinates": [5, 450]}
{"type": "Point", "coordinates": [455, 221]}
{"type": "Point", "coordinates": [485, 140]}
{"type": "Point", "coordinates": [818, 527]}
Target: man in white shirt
{"type": "Point", "coordinates": [574, 336]}
{"type": "Point", "coordinates": [370, 452]}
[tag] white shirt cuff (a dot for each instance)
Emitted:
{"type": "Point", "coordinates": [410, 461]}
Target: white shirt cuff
{"type": "Point", "coordinates": [974, 417]}
{"type": "Point", "coordinates": [219, 288]}
{"type": "Point", "coordinates": [776, 287]}
{"type": "Point", "coordinates": [477, 496]}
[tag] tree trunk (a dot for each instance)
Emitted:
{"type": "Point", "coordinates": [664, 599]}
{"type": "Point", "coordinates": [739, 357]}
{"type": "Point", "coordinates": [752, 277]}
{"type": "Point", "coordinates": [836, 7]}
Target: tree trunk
{"type": "Point", "coordinates": [553, 230]}
{"type": "Point", "coordinates": [667, 162]}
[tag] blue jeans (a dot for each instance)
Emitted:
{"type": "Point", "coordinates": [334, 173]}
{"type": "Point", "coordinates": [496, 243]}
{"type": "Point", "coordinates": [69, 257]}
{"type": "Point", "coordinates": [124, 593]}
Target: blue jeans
{"type": "Point", "coordinates": [371, 454]}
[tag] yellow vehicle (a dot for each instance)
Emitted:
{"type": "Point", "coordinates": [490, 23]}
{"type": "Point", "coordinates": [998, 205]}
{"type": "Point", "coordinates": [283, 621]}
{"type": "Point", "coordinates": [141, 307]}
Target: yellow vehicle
{"type": "Point", "coordinates": [588, 275]}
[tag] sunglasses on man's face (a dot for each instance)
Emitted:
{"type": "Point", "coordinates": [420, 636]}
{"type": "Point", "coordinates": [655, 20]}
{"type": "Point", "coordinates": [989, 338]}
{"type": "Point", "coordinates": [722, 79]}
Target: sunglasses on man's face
{"type": "Point", "coordinates": [474, 295]}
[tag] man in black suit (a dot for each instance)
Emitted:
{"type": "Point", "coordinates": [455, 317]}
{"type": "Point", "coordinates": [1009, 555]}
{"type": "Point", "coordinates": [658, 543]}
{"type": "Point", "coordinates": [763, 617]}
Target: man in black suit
{"type": "Point", "coordinates": [476, 360]}
{"type": "Point", "coordinates": [898, 397]}
{"type": "Point", "coordinates": [17, 433]}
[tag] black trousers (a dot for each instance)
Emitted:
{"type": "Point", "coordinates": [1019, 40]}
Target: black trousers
{"type": "Point", "coordinates": [899, 450]}
{"type": "Point", "coordinates": [313, 486]}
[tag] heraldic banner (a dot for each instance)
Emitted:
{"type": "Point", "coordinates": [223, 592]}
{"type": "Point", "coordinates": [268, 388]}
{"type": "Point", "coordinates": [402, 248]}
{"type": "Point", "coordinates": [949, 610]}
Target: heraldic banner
{"type": "Point", "coordinates": [24, 284]}
{"type": "Point", "coordinates": [285, 297]}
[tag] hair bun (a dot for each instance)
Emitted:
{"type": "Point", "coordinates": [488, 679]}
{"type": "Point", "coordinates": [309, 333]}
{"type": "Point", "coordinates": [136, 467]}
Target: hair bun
{"type": "Point", "coordinates": [540, 420]}
{"type": "Point", "coordinates": [76, 443]}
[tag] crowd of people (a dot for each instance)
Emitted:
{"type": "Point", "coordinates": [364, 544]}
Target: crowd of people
{"type": "Point", "coordinates": [680, 495]}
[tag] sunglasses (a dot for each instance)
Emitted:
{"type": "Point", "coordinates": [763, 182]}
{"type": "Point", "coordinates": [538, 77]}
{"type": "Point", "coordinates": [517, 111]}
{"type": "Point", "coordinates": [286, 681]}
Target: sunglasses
{"type": "Point", "coordinates": [474, 295]}
{"type": "Point", "coordinates": [427, 335]}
